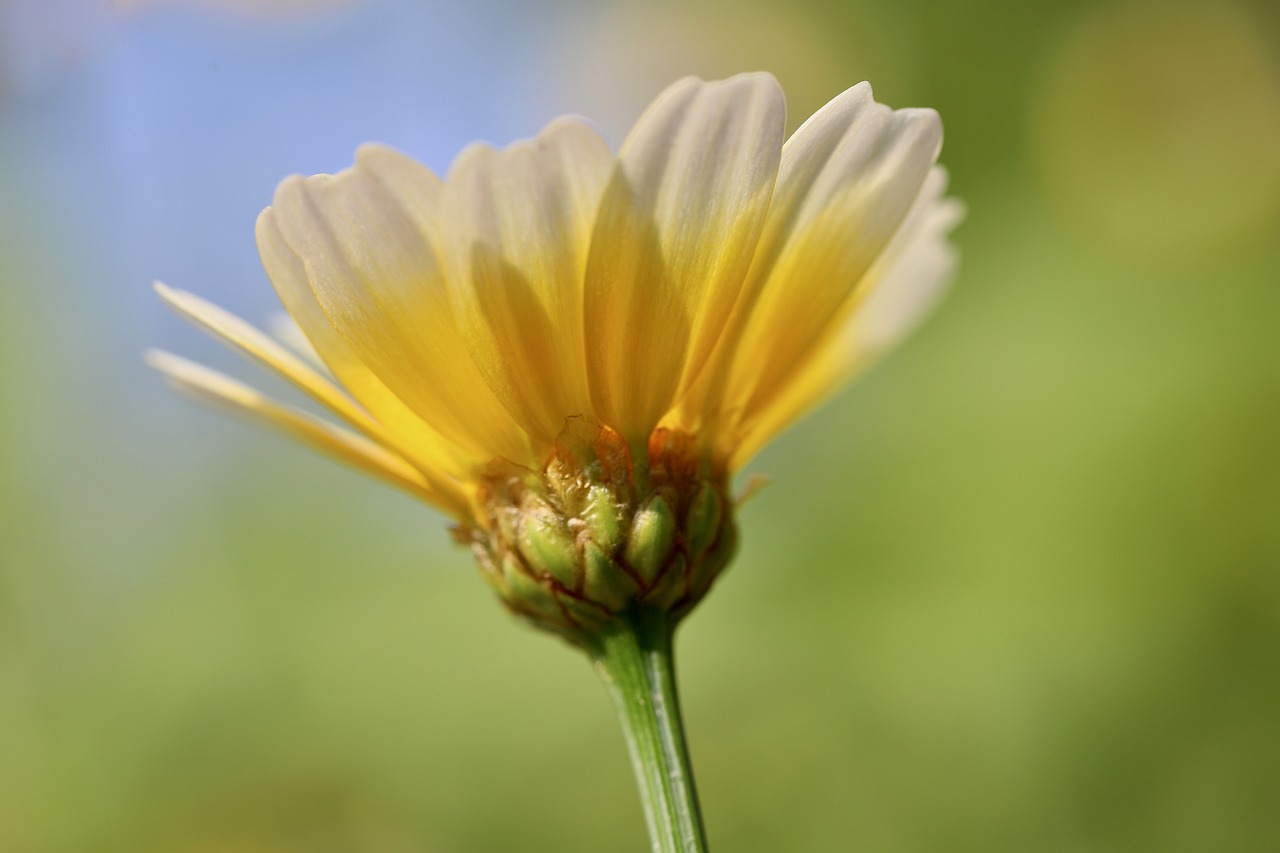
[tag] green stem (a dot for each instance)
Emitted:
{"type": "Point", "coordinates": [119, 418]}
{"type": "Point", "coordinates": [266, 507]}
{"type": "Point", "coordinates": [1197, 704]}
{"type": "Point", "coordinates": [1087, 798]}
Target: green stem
{"type": "Point", "coordinates": [636, 662]}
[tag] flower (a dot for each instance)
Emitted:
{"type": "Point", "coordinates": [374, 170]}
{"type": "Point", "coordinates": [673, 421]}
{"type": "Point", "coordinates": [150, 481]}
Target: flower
{"type": "Point", "coordinates": [570, 352]}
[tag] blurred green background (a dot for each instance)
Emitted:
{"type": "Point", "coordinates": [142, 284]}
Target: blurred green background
{"type": "Point", "coordinates": [1017, 590]}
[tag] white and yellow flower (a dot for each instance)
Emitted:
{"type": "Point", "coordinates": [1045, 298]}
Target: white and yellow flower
{"type": "Point", "coordinates": [553, 313]}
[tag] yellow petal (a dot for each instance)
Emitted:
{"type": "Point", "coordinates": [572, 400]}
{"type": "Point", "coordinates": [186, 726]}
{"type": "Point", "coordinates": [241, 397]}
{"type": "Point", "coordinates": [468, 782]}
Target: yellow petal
{"type": "Point", "coordinates": [267, 351]}
{"type": "Point", "coordinates": [848, 178]}
{"type": "Point", "coordinates": [515, 231]}
{"type": "Point", "coordinates": [364, 237]}
{"type": "Point", "coordinates": [286, 330]}
{"type": "Point", "coordinates": [674, 239]}
{"type": "Point", "coordinates": [905, 282]}
{"type": "Point", "coordinates": [909, 277]}
{"type": "Point", "coordinates": [418, 442]}
{"type": "Point", "coordinates": [212, 387]}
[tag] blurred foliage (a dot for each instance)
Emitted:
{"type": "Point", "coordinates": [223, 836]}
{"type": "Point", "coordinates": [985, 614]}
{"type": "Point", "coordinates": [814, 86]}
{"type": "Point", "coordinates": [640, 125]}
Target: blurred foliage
{"type": "Point", "coordinates": [1018, 590]}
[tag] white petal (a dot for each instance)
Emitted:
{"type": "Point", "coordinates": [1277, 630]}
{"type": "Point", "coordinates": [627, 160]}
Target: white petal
{"type": "Point", "coordinates": [848, 178]}
{"type": "Point", "coordinates": [516, 228]}
{"type": "Point", "coordinates": [676, 233]}
{"type": "Point", "coordinates": [212, 387]}
{"type": "Point", "coordinates": [905, 282]}
{"type": "Point", "coordinates": [417, 441]}
{"type": "Point", "coordinates": [366, 242]}
{"type": "Point", "coordinates": [264, 349]}
{"type": "Point", "coordinates": [909, 278]}
{"type": "Point", "coordinates": [286, 330]}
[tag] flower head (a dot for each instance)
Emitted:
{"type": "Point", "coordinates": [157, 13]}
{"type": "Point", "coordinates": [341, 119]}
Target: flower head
{"type": "Point", "coordinates": [571, 351]}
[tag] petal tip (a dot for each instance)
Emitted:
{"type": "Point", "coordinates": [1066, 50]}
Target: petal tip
{"type": "Point", "coordinates": [474, 155]}
{"type": "Point", "coordinates": [292, 187]}
{"type": "Point", "coordinates": [163, 361]}
{"type": "Point", "coordinates": [370, 150]}
{"type": "Point", "coordinates": [181, 301]}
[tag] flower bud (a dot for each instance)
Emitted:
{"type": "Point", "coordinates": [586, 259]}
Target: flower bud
{"type": "Point", "coordinates": [586, 541]}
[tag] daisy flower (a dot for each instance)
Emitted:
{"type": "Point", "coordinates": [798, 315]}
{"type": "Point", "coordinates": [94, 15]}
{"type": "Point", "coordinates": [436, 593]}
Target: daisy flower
{"type": "Point", "coordinates": [571, 351]}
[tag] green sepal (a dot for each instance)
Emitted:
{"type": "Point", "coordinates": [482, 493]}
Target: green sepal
{"type": "Point", "coordinates": [673, 586]}
{"type": "Point", "coordinates": [547, 546]}
{"type": "Point", "coordinates": [653, 532]}
{"type": "Point", "coordinates": [528, 592]}
{"type": "Point", "coordinates": [714, 561]}
{"type": "Point", "coordinates": [603, 519]}
{"type": "Point", "coordinates": [606, 582]}
{"type": "Point", "coordinates": [702, 523]}
{"type": "Point", "coordinates": [584, 613]}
